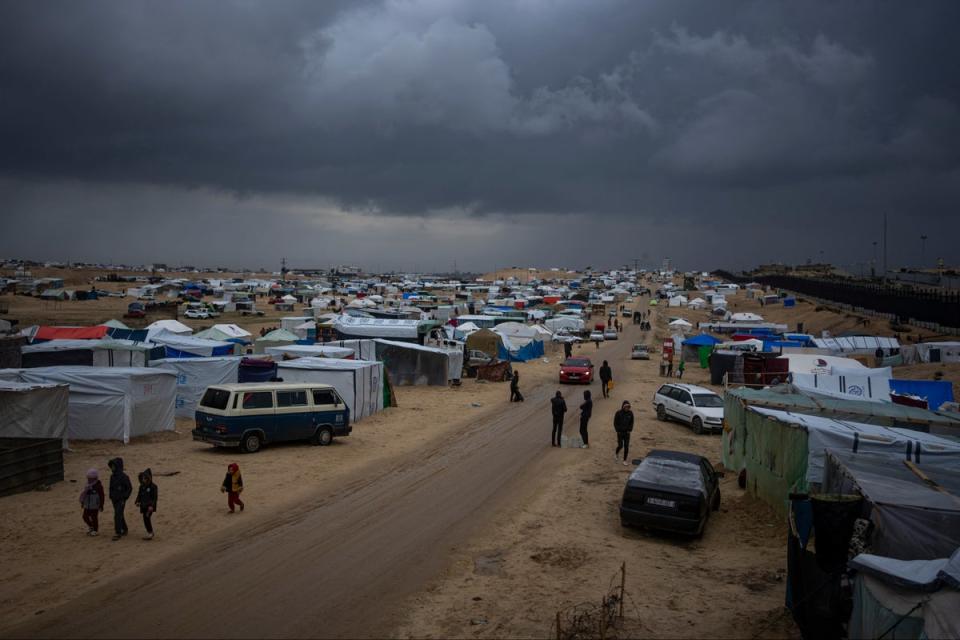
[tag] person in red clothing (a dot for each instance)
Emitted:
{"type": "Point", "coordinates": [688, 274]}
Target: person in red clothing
{"type": "Point", "coordinates": [91, 501]}
{"type": "Point", "coordinates": [233, 486]}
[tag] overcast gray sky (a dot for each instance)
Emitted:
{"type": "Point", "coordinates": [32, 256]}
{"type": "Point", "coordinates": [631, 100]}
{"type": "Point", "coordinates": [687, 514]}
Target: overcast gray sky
{"type": "Point", "coordinates": [412, 134]}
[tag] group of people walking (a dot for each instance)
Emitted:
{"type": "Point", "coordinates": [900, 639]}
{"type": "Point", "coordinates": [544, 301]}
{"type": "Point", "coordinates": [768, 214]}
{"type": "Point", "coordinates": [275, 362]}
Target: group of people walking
{"type": "Point", "coordinates": [622, 420]}
{"type": "Point", "coordinates": [93, 497]}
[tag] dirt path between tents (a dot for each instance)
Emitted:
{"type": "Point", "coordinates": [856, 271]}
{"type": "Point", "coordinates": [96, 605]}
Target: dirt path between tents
{"type": "Point", "coordinates": [340, 563]}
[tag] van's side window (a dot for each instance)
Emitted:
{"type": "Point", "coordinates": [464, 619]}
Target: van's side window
{"type": "Point", "coordinates": [324, 396]}
{"type": "Point", "coordinates": [258, 400]}
{"type": "Point", "coordinates": [291, 398]}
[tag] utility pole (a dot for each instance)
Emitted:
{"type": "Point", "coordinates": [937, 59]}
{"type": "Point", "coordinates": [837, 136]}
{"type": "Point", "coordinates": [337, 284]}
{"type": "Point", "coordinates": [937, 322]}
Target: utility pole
{"type": "Point", "coordinates": [884, 247]}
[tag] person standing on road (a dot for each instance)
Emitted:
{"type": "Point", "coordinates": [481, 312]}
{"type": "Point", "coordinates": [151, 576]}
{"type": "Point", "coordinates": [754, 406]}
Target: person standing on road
{"type": "Point", "coordinates": [515, 388]}
{"type": "Point", "coordinates": [559, 407]}
{"type": "Point", "coordinates": [120, 490]}
{"type": "Point", "coordinates": [680, 369]}
{"type": "Point", "coordinates": [586, 410]}
{"type": "Point", "coordinates": [233, 486]}
{"type": "Point", "coordinates": [91, 501]}
{"type": "Point", "coordinates": [606, 375]}
{"type": "Point", "coordinates": [567, 349]}
{"type": "Point", "coordinates": [623, 425]}
{"type": "Point", "coordinates": [147, 501]}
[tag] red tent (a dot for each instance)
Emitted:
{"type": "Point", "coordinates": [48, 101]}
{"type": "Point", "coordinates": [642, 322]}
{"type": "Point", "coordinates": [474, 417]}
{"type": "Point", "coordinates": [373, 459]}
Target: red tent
{"type": "Point", "coordinates": [71, 333]}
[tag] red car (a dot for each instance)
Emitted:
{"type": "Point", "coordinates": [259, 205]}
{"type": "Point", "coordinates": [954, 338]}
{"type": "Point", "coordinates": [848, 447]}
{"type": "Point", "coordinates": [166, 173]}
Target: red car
{"type": "Point", "coordinates": [576, 370]}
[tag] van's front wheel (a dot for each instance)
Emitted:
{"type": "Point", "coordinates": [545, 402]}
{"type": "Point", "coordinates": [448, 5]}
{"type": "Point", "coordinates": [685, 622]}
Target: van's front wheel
{"type": "Point", "coordinates": [323, 436]}
{"type": "Point", "coordinates": [251, 443]}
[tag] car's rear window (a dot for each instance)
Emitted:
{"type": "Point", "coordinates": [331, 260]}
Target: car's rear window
{"type": "Point", "coordinates": [576, 362]}
{"type": "Point", "coordinates": [215, 399]}
{"type": "Point", "coordinates": [707, 400]}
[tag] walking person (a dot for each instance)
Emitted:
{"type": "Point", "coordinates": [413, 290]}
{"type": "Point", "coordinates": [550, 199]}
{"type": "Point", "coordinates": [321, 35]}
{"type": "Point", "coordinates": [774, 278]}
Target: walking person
{"type": "Point", "coordinates": [558, 407]}
{"type": "Point", "coordinates": [233, 487]}
{"type": "Point", "coordinates": [147, 501]}
{"type": "Point", "coordinates": [606, 375]}
{"type": "Point", "coordinates": [680, 369]}
{"type": "Point", "coordinates": [120, 490]}
{"type": "Point", "coordinates": [623, 425]}
{"type": "Point", "coordinates": [586, 410]}
{"type": "Point", "coordinates": [91, 501]}
{"type": "Point", "coordinates": [515, 395]}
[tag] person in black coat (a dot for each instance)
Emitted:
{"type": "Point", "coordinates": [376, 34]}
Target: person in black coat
{"type": "Point", "coordinates": [586, 410]}
{"type": "Point", "coordinates": [558, 407]}
{"type": "Point", "coordinates": [120, 490]}
{"type": "Point", "coordinates": [147, 501]}
{"type": "Point", "coordinates": [606, 375]}
{"type": "Point", "coordinates": [623, 425]}
{"type": "Point", "coordinates": [515, 395]}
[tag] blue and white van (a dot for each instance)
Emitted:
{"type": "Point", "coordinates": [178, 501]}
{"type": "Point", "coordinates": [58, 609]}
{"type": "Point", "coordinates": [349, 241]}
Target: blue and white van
{"type": "Point", "coordinates": [252, 415]}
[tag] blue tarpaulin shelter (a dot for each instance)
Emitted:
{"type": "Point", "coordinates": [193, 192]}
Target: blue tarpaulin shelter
{"type": "Point", "coordinates": [531, 350]}
{"type": "Point", "coordinates": [935, 391]}
{"type": "Point", "coordinates": [702, 340]}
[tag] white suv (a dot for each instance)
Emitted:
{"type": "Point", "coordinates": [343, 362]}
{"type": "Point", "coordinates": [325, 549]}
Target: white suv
{"type": "Point", "coordinates": [701, 408]}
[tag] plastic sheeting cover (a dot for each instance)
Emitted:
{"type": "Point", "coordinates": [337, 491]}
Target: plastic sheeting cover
{"type": "Point", "coordinates": [31, 410]}
{"type": "Point", "coordinates": [669, 473]}
{"type": "Point", "coordinates": [377, 327]}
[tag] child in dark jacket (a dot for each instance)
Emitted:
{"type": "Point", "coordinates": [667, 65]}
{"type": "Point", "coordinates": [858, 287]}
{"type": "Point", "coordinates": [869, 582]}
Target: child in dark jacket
{"type": "Point", "coordinates": [147, 500]}
{"type": "Point", "coordinates": [120, 490]}
{"type": "Point", "coordinates": [233, 486]}
{"type": "Point", "coordinates": [91, 501]}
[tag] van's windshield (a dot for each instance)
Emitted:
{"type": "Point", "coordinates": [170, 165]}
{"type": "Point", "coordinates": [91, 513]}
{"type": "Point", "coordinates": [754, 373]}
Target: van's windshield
{"type": "Point", "coordinates": [215, 399]}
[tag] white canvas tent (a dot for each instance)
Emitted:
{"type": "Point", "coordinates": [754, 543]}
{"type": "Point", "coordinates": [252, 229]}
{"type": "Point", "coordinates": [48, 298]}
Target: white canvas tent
{"type": "Point", "coordinates": [746, 317]}
{"type": "Point", "coordinates": [225, 332]}
{"type": "Point", "coordinates": [109, 403]}
{"type": "Point", "coordinates": [821, 365]}
{"type": "Point", "coordinates": [170, 326]}
{"type": "Point", "coordinates": [568, 323]}
{"type": "Point", "coordinates": [359, 382]}
{"type": "Point", "coordinates": [517, 334]}
{"type": "Point", "coordinates": [33, 410]}
{"type": "Point", "coordinates": [194, 375]}
{"type": "Point", "coordinates": [861, 383]}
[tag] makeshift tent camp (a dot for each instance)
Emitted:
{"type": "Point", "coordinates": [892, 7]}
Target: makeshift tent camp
{"type": "Point", "coordinates": [914, 517]}
{"type": "Point", "coordinates": [276, 338]}
{"type": "Point", "coordinates": [935, 392]}
{"type": "Point", "coordinates": [168, 326]}
{"type": "Point", "coordinates": [194, 375]}
{"type": "Point", "coordinates": [783, 452]}
{"type": "Point", "coordinates": [411, 364]}
{"type": "Point", "coordinates": [109, 403]}
{"type": "Point", "coordinates": [33, 410]}
{"type": "Point", "coordinates": [905, 598]}
{"type": "Point", "coordinates": [359, 382]}
{"type": "Point", "coordinates": [182, 346]}
{"type": "Point", "coordinates": [292, 351]}
{"type": "Point", "coordinates": [89, 353]}
{"type": "Point", "coordinates": [348, 327]}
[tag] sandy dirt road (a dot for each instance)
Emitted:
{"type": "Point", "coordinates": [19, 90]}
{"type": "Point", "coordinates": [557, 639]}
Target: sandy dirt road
{"type": "Point", "coordinates": [342, 563]}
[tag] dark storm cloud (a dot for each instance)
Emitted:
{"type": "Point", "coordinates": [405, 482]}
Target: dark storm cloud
{"type": "Point", "coordinates": [648, 113]}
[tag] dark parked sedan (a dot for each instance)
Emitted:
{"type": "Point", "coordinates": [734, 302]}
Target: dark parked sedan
{"type": "Point", "coordinates": [672, 491]}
